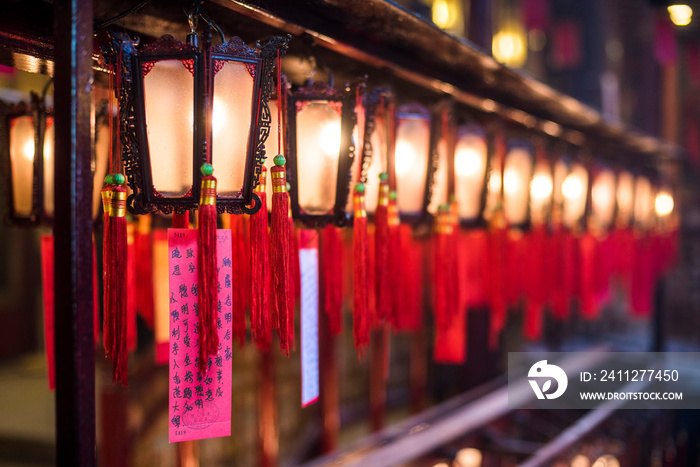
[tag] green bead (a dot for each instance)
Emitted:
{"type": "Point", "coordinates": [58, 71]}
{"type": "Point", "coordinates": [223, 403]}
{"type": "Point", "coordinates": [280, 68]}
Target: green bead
{"type": "Point", "coordinates": [279, 160]}
{"type": "Point", "coordinates": [207, 169]}
{"type": "Point", "coordinates": [383, 176]}
{"type": "Point", "coordinates": [289, 187]}
{"type": "Point", "coordinates": [118, 179]}
{"type": "Point", "coordinates": [109, 179]}
{"type": "Point", "coordinates": [360, 187]}
{"type": "Point", "coordinates": [444, 208]}
{"type": "Point", "coordinates": [392, 195]}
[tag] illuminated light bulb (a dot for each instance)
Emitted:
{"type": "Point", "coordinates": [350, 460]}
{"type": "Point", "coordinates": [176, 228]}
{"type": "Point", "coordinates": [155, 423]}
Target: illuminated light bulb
{"type": "Point", "coordinates": [28, 150]}
{"type": "Point", "coordinates": [541, 186]}
{"type": "Point", "coordinates": [468, 457]}
{"type": "Point", "coordinates": [329, 138]}
{"type": "Point", "coordinates": [405, 157]}
{"type": "Point", "coordinates": [495, 182]}
{"type": "Point", "coordinates": [443, 17]}
{"type": "Point", "coordinates": [468, 162]}
{"type": "Point", "coordinates": [572, 187]}
{"type": "Point", "coordinates": [663, 204]}
{"type": "Point", "coordinates": [580, 461]}
{"type": "Point", "coordinates": [681, 15]}
{"type": "Point", "coordinates": [509, 47]}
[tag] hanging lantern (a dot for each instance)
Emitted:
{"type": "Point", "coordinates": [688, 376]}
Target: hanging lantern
{"type": "Point", "coordinates": [517, 174]}
{"type": "Point", "coordinates": [541, 191]}
{"type": "Point", "coordinates": [603, 201]}
{"type": "Point", "coordinates": [29, 149]}
{"type": "Point", "coordinates": [470, 164]}
{"type": "Point", "coordinates": [574, 190]}
{"type": "Point", "coordinates": [624, 197]}
{"type": "Point", "coordinates": [663, 204]}
{"type": "Point", "coordinates": [413, 161]}
{"type": "Point", "coordinates": [179, 104]}
{"type": "Point", "coordinates": [442, 170]}
{"type": "Point", "coordinates": [643, 203]}
{"type": "Point", "coordinates": [320, 148]}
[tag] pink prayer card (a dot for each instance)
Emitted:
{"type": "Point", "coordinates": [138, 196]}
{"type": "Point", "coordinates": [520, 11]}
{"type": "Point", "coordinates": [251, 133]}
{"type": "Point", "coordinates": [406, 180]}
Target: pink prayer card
{"type": "Point", "coordinates": [200, 403]}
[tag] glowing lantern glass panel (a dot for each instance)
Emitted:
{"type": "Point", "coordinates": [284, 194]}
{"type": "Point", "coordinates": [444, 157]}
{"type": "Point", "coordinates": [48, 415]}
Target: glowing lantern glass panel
{"type": "Point", "coordinates": [22, 161]}
{"type": "Point", "coordinates": [643, 202]}
{"type": "Point", "coordinates": [516, 184]}
{"type": "Point", "coordinates": [231, 123]}
{"type": "Point", "coordinates": [102, 146]}
{"type": "Point", "coordinates": [541, 188]}
{"type": "Point", "coordinates": [411, 159]}
{"type": "Point", "coordinates": [625, 198]}
{"type": "Point", "coordinates": [470, 162]}
{"type": "Point", "coordinates": [318, 144]}
{"type": "Point", "coordinates": [170, 125]}
{"type": "Point", "coordinates": [603, 199]}
{"type": "Point", "coordinates": [574, 191]}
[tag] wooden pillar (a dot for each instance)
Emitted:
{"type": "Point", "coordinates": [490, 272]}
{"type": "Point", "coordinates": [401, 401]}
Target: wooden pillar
{"type": "Point", "coordinates": [75, 351]}
{"type": "Point", "coordinates": [378, 367]}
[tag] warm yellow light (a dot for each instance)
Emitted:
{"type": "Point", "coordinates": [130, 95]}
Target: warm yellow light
{"type": "Point", "coordinates": [468, 457]}
{"type": "Point", "coordinates": [541, 186]}
{"type": "Point", "coordinates": [469, 162]}
{"type": "Point", "coordinates": [606, 461]}
{"type": "Point", "coordinates": [512, 180]}
{"type": "Point", "coordinates": [443, 15]}
{"type": "Point", "coordinates": [329, 139]}
{"type": "Point", "coordinates": [663, 204]}
{"type": "Point", "coordinates": [580, 461]}
{"type": "Point", "coordinates": [218, 117]}
{"type": "Point", "coordinates": [28, 150]}
{"type": "Point", "coordinates": [509, 47]}
{"type": "Point", "coordinates": [405, 157]}
{"type": "Point", "coordinates": [681, 15]}
{"type": "Point", "coordinates": [572, 188]}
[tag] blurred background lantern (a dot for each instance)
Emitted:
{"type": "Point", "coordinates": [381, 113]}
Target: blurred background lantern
{"type": "Point", "coordinates": [470, 173]}
{"type": "Point", "coordinates": [644, 199]}
{"type": "Point", "coordinates": [517, 174]}
{"type": "Point", "coordinates": [624, 197]}
{"type": "Point", "coordinates": [191, 105]}
{"type": "Point", "coordinates": [413, 163]}
{"type": "Point", "coordinates": [574, 190]}
{"type": "Point", "coordinates": [28, 147]}
{"type": "Point", "coordinates": [602, 212]}
{"type": "Point", "coordinates": [320, 122]}
{"type": "Point", "coordinates": [541, 191]}
{"type": "Point", "coordinates": [103, 144]}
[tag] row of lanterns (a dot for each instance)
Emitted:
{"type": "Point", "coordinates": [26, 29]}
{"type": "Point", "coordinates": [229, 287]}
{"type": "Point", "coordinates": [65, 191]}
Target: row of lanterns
{"type": "Point", "coordinates": [443, 164]}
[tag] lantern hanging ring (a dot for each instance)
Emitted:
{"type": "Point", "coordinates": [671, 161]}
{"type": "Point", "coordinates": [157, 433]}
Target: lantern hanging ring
{"type": "Point", "coordinates": [195, 13]}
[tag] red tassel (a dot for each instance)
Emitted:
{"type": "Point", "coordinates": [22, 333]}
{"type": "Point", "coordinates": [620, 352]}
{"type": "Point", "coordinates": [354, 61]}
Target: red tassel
{"type": "Point", "coordinates": [294, 279]}
{"type": "Point", "coordinates": [498, 242]}
{"type": "Point", "coordinates": [131, 287]}
{"type": "Point", "coordinates": [332, 277]}
{"type": "Point", "coordinates": [441, 270]}
{"type": "Point", "coordinates": [116, 276]}
{"type": "Point", "coordinates": [587, 251]}
{"type": "Point", "coordinates": [397, 272]}
{"type": "Point", "coordinates": [241, 265]}
{"type": "Point", "coordinates": [181, 220]}
{"type": "Point", "coordinates": [361, 269]}
{"type": "Point", "coordinates": [535, 283]}
{"type": "Point", "coordinates": [280, 256]}
{"type": "Point", "coordinates": [382, 239]}
{"type": "Point", "coordinates": [47, 270]}
{"type": "Point", "coordinates": [107, 338]}
{"type": "Point", "coordinates": [260, 321]}
{"type": "Point", "coordinates": [206, 270]}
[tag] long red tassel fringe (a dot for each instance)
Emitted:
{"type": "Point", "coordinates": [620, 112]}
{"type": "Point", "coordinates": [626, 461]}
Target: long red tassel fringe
{"type": "Point", "coordinates": [332, 277]}
{"type": "Point", "coordinates": [116, 276]}
{"type": "Point", "coordinates": [207, 274]}
{"type": "Point", "coordinates": [259, 272]}
{"type": "Point", "coordinates": [360, 268]}
{"type": "Point", "coordinates": [280, 256]}
{"type": "Point", "coordinates": [241, 265]}
{"type": "Point", "coordinates": [382, 254]}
